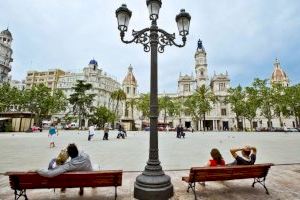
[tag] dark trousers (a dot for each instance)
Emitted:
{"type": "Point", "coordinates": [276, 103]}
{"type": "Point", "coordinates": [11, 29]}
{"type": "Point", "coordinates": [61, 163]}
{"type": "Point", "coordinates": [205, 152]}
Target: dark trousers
{"type": "Point", "coordinates": [90, 137]}
{"type": "Point", "coordinates": [105, 137]}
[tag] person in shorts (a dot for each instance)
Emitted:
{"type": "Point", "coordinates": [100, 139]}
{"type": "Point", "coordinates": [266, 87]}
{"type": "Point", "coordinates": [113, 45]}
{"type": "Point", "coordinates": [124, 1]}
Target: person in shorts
{"type": "Point", "coordinates": [52, 135]}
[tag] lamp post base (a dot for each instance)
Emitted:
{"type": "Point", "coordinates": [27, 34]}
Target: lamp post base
{"type": "Point", "coordinates": [150, 187]}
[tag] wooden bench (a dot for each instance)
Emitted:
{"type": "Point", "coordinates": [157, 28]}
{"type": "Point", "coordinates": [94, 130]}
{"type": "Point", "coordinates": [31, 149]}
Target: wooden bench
{"type": "Point", "coordinates": [21, 181]}
{"type": "Point", "coordinates": [202, 174]}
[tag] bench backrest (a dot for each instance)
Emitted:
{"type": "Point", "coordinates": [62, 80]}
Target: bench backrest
{"type": "Point", "coordinates": [199, 174]}
{"type": "Point", "coordinates": [32, 180]}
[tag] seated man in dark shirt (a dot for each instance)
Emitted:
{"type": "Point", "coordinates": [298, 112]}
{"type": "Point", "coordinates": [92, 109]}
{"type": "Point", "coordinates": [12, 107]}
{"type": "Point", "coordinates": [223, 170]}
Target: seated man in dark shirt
{"type": "Point", "coordinates": [248, 156]}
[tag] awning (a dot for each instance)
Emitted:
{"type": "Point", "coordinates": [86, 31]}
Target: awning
{"type": "Point", "coordinates": [4, 118]}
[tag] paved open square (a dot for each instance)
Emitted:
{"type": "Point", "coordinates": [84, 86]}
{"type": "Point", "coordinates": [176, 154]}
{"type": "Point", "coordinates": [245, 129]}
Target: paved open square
{"type": "Point", "coordinates": [30, 151]}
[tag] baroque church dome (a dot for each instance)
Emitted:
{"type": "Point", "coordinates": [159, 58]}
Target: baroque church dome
{"type": "Point", "coordinates": [129, 78]}
{"type": "Point", "coordinates": [278, 75]}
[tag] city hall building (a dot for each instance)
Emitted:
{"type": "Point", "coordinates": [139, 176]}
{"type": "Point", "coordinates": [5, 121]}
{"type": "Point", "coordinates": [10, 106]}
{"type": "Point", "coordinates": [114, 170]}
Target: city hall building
{"type": "Point", "coordinates": [221, 116]}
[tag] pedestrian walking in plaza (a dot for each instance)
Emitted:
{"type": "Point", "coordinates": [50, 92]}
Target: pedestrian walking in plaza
{"type": "Point", "coordinates": [91, 132]}
{"type": "Point", "coordinates": [120, 131]}
{"type": "Point", "coordinates": [181, 134]}
{"type": "Point", "coordinates": [178, 131]}
{"type": "Point", "coordinates": [52, 135]}
{"type": "Point", "coordinates": [106, 130]}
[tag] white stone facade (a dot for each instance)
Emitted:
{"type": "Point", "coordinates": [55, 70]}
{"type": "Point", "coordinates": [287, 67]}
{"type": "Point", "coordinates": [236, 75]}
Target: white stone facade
{"type": "Point", "coordinates": [5, 55]}
{"type": "Point", "coordinates": [221, 117]}
{"type": "Point", "coordinates": [20, 85]}
{"type": "Point", "coordinates": [103, 85]}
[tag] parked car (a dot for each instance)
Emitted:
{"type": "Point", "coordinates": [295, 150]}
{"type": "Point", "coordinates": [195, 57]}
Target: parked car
{"type": "Point", "coordinates": [172, 129]}
{"type": "Point", "coordinates": [147, 128]}
{"type": "Point", "coordinates": [261, 129]}
{"type": "Point", "coordinates": [277, 129]}
{"type": "Point", "coordinates": [292, 130]}
{"type": "Point", "coordinates": [71, 126]}
{"type": "Point", "coordinates": [161, 128]}
{"type": "Point", "coordinates": [34, 129]}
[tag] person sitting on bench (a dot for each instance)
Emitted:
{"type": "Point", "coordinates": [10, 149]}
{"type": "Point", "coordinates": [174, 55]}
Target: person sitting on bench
{"type": "Point", "coordinates": [248, 156]}
{"type": "Point", "coordinates": [79, 162]}
{"type": "Point", "coordinates": [217, 159]}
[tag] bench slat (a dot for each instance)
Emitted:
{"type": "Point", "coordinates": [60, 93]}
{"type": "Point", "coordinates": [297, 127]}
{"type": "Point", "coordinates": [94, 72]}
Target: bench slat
{"type": "Point", "coordinates": [201, 174]}
{"type": "Point", "coordinates": [32, 180]}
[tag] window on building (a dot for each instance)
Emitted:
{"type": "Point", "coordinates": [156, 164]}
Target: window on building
{"type": "Point", "coordinates": [202, 73]}
{"type": "Point", "coordinates": [133, 90]}
{"type": "Point", "coordinates": [128, 89]}
{"type": "Point", "coordinates": [186, 87]}
{"type": "Point", "coordinates": [221, 86]}
{"type": "Point", "coordinates": [223, 112]}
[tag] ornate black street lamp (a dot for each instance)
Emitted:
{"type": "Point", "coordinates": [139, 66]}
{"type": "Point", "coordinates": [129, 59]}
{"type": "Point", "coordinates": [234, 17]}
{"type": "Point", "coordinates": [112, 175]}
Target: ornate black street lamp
{"type": "Point", "coordinates": [153, 183]}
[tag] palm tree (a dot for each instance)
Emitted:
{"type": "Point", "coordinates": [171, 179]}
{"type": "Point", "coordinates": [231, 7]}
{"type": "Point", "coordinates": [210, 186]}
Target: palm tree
{"type": "Point", "coordinates": [143, 105]}
{"type": "Point", "coordinates": [200, 103]}
{"type": "Point", "coordinates": [118, 95]}
{"type": "Point", "coordinates": [131, 103]}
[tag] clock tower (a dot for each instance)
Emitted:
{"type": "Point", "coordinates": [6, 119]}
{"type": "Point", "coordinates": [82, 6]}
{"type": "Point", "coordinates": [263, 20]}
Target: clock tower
{"type": "Point", "coordinates": [201, 65]}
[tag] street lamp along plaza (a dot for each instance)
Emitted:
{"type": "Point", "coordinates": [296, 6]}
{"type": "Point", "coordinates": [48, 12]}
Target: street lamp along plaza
{"type": "Point", "coordinates": [153, 183]}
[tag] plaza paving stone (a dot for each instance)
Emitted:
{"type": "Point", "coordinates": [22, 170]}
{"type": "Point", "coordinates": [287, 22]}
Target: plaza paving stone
{"type": "Point", "coordinates": [29, 151]}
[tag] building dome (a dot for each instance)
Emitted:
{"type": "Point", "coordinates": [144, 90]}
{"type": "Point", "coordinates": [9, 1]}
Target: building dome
{"type": "Point", "coordinates": [278, 75]}
{"type": "Point", "coordinates": [93, 62]}
{"type": "Point", "coordinates": [6, 33]}
{"type": "Point", "coordinates": [130, 79]}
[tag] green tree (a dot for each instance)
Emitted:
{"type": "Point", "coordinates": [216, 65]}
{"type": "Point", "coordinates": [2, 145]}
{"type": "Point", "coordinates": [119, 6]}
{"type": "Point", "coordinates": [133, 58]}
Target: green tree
{"type": "Point", "coordinates": [265, 97]}
{"type": "Point", "coordinates": [174, 109]}
{"type": "Point", "coordinates": [164, 104]}
{"type": "Point", "coordinates": [143, 105]}
{"type": "Point", "coordinates": [82, 103]}
{"type": "Point", "coordinates": [200, 103]}
{"type": "Point", "coordinates": [278, 99]}
{"type": "Point", "coordinates": [118, 95]}
{"type": "Point", "coordinates": [102, 115]}
{"type": "Point", "coordinates": [59, 102]}
{"type": "Point", "coordinates": [236, 99]}
{"type": "Point", "coordinates": [292, 101]}
{"type": "Point", "coordinates": [9, 98]}
{"type": "Point", "coordinates": [131, 103]}
{"type": "Point", "coordinates": [42, 102]}
{"type": "Point", "coordinates": [252, 103]}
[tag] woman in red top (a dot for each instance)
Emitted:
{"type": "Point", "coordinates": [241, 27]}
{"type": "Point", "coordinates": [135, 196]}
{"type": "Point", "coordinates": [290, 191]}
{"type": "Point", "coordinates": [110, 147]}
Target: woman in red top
{"type": "Point", "coordinates": [217, 159]}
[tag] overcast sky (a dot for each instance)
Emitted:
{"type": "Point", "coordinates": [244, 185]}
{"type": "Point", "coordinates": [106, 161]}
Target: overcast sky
{"type": "Point", "coordinates": [242, 37]}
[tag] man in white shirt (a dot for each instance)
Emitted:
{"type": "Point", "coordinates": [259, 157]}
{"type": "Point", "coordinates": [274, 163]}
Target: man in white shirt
{"type": "Point", "coordinates": [91, 132]}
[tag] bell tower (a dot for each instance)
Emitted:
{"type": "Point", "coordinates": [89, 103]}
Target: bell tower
{"type": "Point", "coordinates": [5, 55]}
{"type": "Point", "coordinates": [201, 65]}
{"type": "Point", "coordinates": [130, 84]}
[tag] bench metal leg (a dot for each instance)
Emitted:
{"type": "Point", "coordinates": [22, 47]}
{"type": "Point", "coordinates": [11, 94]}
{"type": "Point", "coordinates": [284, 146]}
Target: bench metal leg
{"type": "Point", "coordinates": [116, 192]}
{"type": "Point", "coordinates": [20, 193]}
{"type": "Point", "coordinates": [193, 187]}
{"type": "Point", "coordinates": [261, 181]}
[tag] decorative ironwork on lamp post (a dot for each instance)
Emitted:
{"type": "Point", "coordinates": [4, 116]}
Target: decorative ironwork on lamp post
{"type": "Point", "coordinates": [153, 183]}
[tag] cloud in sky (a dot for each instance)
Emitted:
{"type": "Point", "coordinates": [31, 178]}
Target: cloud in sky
{"type": "Point", "coordinates": [242, 37]}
